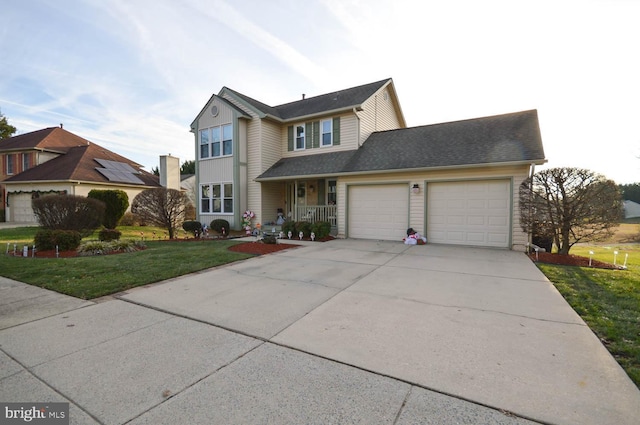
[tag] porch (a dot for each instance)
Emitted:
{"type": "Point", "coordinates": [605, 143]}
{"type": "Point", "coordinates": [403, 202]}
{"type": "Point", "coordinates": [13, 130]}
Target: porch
{"type": "Point", "coordinates": [313, 213]}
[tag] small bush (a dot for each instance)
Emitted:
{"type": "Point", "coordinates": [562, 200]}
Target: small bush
{"type": "Point", "coordinates": [116, 203]}
{"type": "Point", "coordinates": [193, 226]}
{"type": "Point", "coordinates": [304, 227]}
{"type": "Point", "coordinates": [3, 216]}
{"type": "Point", "coordinates": [65, 240]}
{"type": "Point", "coordinates": [269, 239]}
{"type": "Point", "coordinates": [218, 224]}
{"type": "Point", "coordinates": [109, 235]}
{"type": "Point", "coordinates": [129, 219]}
{"type": "Point", "coordinates": [102, 247]}
{"type": "Point", "coordinates": [69, 212]}
{"type": "Point", "coordinates": [321, 229]}
{"type": "Point", "coordinates": [289, 226]}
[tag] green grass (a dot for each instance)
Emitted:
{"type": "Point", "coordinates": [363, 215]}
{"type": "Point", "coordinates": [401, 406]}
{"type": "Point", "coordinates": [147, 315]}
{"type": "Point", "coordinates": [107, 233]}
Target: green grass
{"type": "Point", "coordinates": [607, 300]}
{"type": "Point", "coordinates": [96, 276]}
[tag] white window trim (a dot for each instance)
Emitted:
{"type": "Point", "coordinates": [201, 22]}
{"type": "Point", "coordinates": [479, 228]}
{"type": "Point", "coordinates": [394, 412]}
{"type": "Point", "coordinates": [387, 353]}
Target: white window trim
{"type": "Point", "coordinates": [322, 133]}
{"type": "Point", "coordinates": [211, 198]}
{"type": "Point", "coordinates": [295, 137]}
{"type": "Point", "coordinates": [211, 142]}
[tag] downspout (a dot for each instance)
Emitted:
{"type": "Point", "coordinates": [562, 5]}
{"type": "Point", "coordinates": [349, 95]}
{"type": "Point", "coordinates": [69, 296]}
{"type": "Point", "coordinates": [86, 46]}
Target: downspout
{"type": "Point", "coordinates": [355, 111]}
{"type": "Point", "coordinates": [532, 169]}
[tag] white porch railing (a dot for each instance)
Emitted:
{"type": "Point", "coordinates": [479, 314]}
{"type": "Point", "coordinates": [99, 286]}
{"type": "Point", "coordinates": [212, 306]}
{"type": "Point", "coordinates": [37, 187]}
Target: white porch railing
{"type": "Point", "coordinates": [313, 213]}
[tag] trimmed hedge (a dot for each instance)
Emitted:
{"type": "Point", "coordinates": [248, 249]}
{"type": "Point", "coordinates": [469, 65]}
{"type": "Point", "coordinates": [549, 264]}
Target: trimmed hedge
{"type": "Point", "coordinates": [321, 229]}
{"type": "Point", "coordinates": [304, 227]}
{"type": "Point", "coordinates": [289, 226]}
{"type": "Point", "coordinates": [193, 226]}
{"type": "Point", "coordinates": [65, 240]}
{"type": "Point", "coordinates": [218, 224]}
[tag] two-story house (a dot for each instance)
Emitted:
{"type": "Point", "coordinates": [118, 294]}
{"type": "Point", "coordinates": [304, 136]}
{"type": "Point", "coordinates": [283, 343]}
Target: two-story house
{"type": "Point", "coordinates": [56, 161]}
{"type": "Point", "coordinates": [347, 157]}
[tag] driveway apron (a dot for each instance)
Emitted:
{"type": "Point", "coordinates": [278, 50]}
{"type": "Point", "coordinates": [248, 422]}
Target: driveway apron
{"type": "Point", "coordinates": [482, 325]}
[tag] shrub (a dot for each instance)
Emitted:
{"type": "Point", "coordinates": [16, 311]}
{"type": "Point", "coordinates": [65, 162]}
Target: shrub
{"type": "Point", "coordinates": [109, 235]}
{"type": "Point", "coordinates": [69, 212]}
{"type": "Point", "coordinates": [304, 227]}
{"type": "Point", "coordinates": [100, 247]}
{"type": "Point", "coordinates": [161, 207]}
{"type": "Point", "coordinates": [192, 226]}
{"type": "Point", "coordinates": [65, 240]}
{"type": "Point", "coordinates": [218, 224]}
{"type": "Point", "coordinates": [129, 219]}
{"type": "Point", "coordinates": [289, 226]}
{"type": "Point", "coordinates": [3, 216]}
{"type": "Point", "coordinates": [269, 239]}
{"type": "Point", "coordinates": [321, 229]}
{"type": "Point", "coordinates": [116, 203]}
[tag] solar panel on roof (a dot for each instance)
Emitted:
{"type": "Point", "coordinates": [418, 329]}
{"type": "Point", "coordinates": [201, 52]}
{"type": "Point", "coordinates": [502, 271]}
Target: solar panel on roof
{"type": "Point", "coordinates": [118, 171]}
{"type": "Point", "coordinates": [115, 165]}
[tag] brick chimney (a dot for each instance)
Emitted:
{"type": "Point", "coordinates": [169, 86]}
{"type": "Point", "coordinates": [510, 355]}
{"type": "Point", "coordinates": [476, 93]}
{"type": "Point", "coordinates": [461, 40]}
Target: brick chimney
{"type": "Point", "coordinates": [170, 172]}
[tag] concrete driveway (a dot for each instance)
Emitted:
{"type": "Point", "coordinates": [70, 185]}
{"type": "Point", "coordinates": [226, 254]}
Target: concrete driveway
{"type": "Point", "coordinates": [346, 331]}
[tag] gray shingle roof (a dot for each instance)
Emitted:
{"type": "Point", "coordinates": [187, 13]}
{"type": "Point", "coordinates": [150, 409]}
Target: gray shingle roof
{"type": "Point", "coordinates": [504, 138]}
{"type": "Point", "coordinates": [341, 99]}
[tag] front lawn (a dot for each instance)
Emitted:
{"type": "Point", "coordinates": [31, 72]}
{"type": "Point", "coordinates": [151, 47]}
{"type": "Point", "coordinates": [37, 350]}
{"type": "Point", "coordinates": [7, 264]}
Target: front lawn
{"type": "Point", "coordinates": [607, 300]}
{"type": "Point", "coordinates": [96, 276]}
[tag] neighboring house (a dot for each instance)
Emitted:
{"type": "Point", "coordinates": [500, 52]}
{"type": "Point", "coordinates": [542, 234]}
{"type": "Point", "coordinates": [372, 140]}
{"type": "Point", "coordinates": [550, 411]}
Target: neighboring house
{"type": "Point", "coordinates": [347, 157]}
{"type": "Point", "coordinates": [54, 160]}
{"type": "Point", "coordinates": [631, 209]}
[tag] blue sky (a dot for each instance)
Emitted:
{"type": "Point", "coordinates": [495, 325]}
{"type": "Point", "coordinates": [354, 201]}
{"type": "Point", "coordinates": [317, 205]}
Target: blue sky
{"type": "Point", "coordinates": [132, 75]}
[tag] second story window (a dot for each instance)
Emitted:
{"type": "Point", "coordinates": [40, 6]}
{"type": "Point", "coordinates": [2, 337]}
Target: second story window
{"type": "Point", "coordinates": [10, 164]}
{"type": "Point", "coordinates": [26, 164]}
{"type": "Point", "coordinates": [204, 143]}
{"type": "Point", "coordinates": [216, 141]}
{"type": "Point", "coordinates": [299, 135]}
{"type": "Point", "coordinates": [327, 132]}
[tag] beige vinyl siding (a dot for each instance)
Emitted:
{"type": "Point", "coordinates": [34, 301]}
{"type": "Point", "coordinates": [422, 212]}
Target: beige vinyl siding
{"type": "Point", "coordinates": [254, 160]}
{"type": "Point", "coordinates": [379, 114]}
{"type": "Point", "coordinates": [348, 137]}
{"type": "Point", "coordinates": [417, 202]}
{"type": "Point", "coordinates": [272, 199]}
{"type": "Point", "coordinates": [225, 115]}
{"type": "Point", "coordinates": [216, 170]}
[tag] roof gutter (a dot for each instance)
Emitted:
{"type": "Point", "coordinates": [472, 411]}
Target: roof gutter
{"type": "Point", "coordinates": [401, 170]}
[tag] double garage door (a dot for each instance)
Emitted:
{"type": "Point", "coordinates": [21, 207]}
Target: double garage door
{"type": "Point", "coordinates": [476, 213]}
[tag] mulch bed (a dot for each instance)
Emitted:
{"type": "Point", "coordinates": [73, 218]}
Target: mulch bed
{"type": "Point", "coordinates": [259, 248]}
{"type": "Point", "coordinates": [570, 260]}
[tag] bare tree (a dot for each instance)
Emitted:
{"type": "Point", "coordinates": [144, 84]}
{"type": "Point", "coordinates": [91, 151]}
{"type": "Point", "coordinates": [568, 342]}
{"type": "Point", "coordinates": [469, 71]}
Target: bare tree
{"type": "Point", "coordinates": [161, 207]}
{"type": "Point", "coordinates": [570, 205]}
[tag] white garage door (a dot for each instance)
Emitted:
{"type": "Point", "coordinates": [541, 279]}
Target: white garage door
{"type": "Point", "coordinates": [20, 208]}
{"type": "Point", "coordinates": [378, 212]}
{"type": "Point", "coordinates": [469, 213]}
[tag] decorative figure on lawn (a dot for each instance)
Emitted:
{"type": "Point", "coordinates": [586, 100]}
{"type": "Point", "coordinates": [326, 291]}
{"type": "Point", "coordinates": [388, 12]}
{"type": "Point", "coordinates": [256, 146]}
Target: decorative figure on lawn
{"type": "Point", "coordinates": [414, 238]}
{"type": "Point", "coordinates": [246, 221]}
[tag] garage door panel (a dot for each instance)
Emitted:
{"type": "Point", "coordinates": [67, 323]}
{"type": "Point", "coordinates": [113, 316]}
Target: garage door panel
{"type": "Point", "coordinates": [477, 212]}
{"type": "Point", "coordinates": [378, 211]}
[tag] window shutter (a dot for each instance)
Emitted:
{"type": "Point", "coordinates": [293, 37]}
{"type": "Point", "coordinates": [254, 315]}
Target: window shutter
{"type": "Point", "coordinates": [308, 128]}
{"type": "Point", "coordinates": [290, 138]}
{"type": "Point", "coordinates": [316, 134]}
{"type": "Point", "coordinates": [336, 131]}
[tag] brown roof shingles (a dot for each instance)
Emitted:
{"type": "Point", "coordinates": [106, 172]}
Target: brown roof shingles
{"type": "Point", "coordinates": [78, 163]}
{"type": "Point", "coordinates": [53, 138]}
